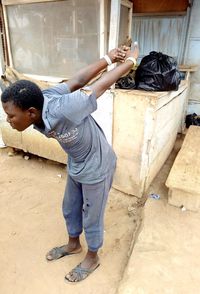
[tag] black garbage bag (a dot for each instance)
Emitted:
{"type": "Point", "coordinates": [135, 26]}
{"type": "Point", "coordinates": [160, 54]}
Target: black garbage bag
{"type": "Point", "coordinates": [192, 119]}
{"type": "Point", "coordinates": [157, 72]}
{"type": "Point", "coordinates": [126, 82]}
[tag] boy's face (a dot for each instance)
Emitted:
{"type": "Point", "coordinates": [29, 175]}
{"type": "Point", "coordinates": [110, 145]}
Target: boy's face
{"type": "Point", "coordinates": [18, 119]}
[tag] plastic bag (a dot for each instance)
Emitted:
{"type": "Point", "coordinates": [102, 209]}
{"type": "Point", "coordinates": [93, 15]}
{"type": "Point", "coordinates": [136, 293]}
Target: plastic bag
{"type": "Point", "coordinates": [157, 72]}
{"type": "Point", "coordinates": [127, 82]}
{"type": "Point", "coordinates": [192, 119]}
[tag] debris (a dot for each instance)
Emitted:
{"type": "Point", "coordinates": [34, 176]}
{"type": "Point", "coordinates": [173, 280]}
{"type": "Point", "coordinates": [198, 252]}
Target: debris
{"type": "Point", "coordinates": [11, 153]}
{"type": "Point", "coordinates": [60, 176]}
{"type": "Point", "coordinates": [183, 208]}
{"type": "Point", "coordinates": [26, 157]}
{"type": "Point", "coordinates": [154, 196]}
{"type": "Point", "coordinates": [131, 208]}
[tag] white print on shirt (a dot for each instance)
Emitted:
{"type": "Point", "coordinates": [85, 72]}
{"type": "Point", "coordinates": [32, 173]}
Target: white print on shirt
{"type": "Point", "coordinates": [65, 138]}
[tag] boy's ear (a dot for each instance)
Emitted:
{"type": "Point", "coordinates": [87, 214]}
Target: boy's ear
{"type": "Point", "coordinates": [33, 112]}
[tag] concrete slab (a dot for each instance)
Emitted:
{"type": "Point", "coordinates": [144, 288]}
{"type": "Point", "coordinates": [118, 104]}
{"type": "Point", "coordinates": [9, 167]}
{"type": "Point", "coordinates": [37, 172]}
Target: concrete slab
{"type": "Point", "coordinates": [165, 258]}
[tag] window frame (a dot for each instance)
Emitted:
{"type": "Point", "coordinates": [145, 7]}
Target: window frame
{"type": "Point", "coordinates": [103, 32]}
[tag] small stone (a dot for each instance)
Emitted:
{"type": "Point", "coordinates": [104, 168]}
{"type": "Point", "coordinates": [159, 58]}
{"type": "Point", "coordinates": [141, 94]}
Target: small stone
{"type": "Point", "coordinates": [26, 157]}
{"type": "Point", "coordinates": [60, 176]}
{"type": "Point", "coordinates": [183, 208]}
{"type": "Point", "coordinates": [131, 208]}
{"type": "Point", "coordinates": [10, 153]}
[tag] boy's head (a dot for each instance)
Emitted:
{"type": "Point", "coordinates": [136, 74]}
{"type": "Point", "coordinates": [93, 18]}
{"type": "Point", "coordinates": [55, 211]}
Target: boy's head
{"type": "Point", "coordinates": [23, 103]}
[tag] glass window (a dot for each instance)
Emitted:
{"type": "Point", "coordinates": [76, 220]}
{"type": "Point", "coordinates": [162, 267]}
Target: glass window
{"type": "Point", "coordinates": [54, 38]}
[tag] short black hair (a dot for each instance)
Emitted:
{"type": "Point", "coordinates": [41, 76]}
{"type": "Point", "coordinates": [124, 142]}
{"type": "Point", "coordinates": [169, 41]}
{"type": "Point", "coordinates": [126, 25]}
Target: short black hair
{"type": "Point", "coordinates": [24, 94]}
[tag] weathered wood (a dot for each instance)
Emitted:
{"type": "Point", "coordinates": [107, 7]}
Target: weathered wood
{"type": "Point", "coordinates": [114, 23]}
{"type": "Point", "coordinates": [11, 75]}
{"type": "Point", "coordinates": [145, 125]}
{"type": "Point", "coordinates": [180, 198]}
{"type": "Point", "coordinates": [185, 172]}
{"type": "Point", "coordinates": [16, 2]}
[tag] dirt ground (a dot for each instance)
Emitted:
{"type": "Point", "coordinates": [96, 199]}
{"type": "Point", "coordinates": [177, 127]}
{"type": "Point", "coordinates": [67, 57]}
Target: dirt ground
{"type": "Point", "coordinates": [32, 223]}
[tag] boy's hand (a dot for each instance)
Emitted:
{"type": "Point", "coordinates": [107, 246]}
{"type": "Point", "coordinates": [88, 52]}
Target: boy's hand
{"type": "Point", "coordinates": [118, 54]}
{"type": "Point", "coordinates": [134, 53]}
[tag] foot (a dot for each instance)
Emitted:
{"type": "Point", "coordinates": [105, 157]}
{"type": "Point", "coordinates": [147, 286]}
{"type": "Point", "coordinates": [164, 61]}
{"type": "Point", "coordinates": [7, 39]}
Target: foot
{"type": "Point", "coordinates": [83, 270]}
{"type": "Point", "coordinates": [62, 251]}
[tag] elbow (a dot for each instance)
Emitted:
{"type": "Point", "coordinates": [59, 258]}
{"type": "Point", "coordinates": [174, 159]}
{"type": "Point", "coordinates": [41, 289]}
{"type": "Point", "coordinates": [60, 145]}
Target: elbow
{"type": "Point", "coordinates": [81, 82]}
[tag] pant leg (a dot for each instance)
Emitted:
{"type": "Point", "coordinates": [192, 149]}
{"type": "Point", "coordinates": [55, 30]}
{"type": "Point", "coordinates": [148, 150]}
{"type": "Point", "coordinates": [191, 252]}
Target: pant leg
{"type": "Point", "coordinates": [95, 198]}
{"type": "Point", "coordinates": [72, 207]}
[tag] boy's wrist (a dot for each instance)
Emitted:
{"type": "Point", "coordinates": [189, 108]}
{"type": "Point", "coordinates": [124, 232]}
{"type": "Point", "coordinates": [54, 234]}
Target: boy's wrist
{"type": "Point", "coordinates": [108, 60]}
{"type": "Point", "coordinates": [132, 59]}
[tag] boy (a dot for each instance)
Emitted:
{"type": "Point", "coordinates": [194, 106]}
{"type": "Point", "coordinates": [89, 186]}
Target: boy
{"type": "Point", "coordinates": [63, 112]}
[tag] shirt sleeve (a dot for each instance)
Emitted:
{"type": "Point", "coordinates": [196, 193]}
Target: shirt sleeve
{"type": "Point", "coordinates": [78, 105]}
{"type": "Point", "coordinates": [59, 89]}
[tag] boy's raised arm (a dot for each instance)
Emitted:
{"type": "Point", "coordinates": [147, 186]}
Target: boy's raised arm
{"type": "Point", "coordinates": [109, 78]}
{"type": "Point", "coordinates": [90, 71]}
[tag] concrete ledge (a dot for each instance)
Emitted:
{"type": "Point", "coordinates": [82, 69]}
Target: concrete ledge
{"type": "Point", "coordinates": [33, 142]}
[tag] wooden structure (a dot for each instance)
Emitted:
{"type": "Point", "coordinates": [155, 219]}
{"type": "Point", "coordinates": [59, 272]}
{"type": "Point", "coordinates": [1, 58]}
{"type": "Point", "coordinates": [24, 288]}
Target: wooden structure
{"type": "Point", "coordinates": [184, 178]}
{"type": "Point", "coordinates": [145, 126]}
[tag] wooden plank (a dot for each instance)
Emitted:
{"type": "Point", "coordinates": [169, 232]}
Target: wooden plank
{"type": "Point", "coordinates": [180, 198]}
{"type": "Point", "coordinates": [160, 6]}
{"type": "Point", "coordinates": [185, 172]}
{"type": "Point", "coordinates": [128, 137]}
{"type": "Point", "coordinates": [16, 2]}
{"type": "Point", "coordinates": [103, 28]}
{"type": "Point", "coordinates": [114, 23]}
{"type": "Point", "coordinates": [130, 21]}
{"type": "Point", "coordinates": [127, 3]}
{"type": "Point", "coordinates": [7, 37]}
{"type": "Point", "coordinates": [181, 13]}
{"type": "Point", "coordinates": [190, 68]}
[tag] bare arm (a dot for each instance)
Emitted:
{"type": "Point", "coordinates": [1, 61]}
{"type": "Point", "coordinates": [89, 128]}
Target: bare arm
{"type": "Point", "coordinates": [112, 76]}
{"type": "Point", "coordinates": [90, 71]}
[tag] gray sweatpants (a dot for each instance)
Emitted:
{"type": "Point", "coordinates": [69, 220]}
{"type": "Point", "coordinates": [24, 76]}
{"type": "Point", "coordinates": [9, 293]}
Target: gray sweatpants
{"type": "Point", "coordinates": [84, 207]}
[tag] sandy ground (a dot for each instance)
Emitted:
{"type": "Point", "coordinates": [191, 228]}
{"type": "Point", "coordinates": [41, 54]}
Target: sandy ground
{"type": "Point", "coordinates": [31, 223]}
{"type": "Point", "coordinates": [165, 258]}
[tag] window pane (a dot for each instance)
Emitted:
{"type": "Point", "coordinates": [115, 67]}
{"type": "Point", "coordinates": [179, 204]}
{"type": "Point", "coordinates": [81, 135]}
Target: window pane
{"type": "Point", "coordinates": [54, 38]}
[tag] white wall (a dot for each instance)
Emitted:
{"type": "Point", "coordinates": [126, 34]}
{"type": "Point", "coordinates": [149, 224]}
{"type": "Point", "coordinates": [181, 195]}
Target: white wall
{"type": "Point", "coordinates": [193, 57]}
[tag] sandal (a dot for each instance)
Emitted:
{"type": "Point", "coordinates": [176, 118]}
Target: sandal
{"type": "Point", "coordinates": [80, 273]}
{"type": "Point", "coordinates": [59, 252]}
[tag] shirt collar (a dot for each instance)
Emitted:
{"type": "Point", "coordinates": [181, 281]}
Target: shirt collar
{"type": "Point", "coordinates": [44, 117]}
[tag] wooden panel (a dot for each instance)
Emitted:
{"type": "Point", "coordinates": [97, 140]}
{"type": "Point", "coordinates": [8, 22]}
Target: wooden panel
{"type": "Point", "coordinates": [179, 198]}
{"type": "Point", "coordinates": [145, 126]}
{"type": "Point", "coordinates": [185, 173]}
{"type": "Point", "coordinates": [161, 157]}
{"type": "Point", "coordinates": [128, 139]}
{"type": "Point", "coordinates": [143, 6]}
